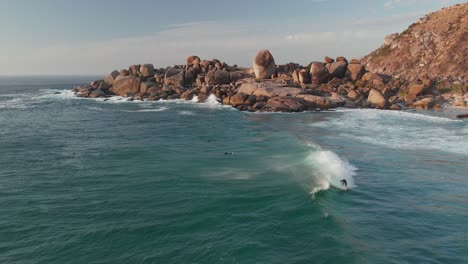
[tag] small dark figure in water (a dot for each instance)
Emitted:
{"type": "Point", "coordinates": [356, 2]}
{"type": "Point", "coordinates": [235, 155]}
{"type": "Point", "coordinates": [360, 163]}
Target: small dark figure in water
{"type": "Point", "coordinates": [229, 153]}
{"type": "Point", "coordinates": [344, 183]}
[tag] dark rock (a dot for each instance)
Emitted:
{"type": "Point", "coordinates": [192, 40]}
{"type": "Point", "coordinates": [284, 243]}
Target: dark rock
{"type": "Point", "coordinates": [174, 77]}
{"type": "Point", "coordinates": [147, 70]}
{"type": "Point", "coordinates": [338, 69]}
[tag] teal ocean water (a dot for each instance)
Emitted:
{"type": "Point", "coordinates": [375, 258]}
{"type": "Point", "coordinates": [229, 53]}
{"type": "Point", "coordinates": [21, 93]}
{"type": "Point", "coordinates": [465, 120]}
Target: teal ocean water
{"type": "Point", "coordinates": [94, 181]}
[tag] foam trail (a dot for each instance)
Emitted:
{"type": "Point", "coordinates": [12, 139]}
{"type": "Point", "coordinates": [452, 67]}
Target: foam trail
{"type": "Point", "coordinates": [195, 99]}
{"type": "Point", "coordinates": [329, 169]}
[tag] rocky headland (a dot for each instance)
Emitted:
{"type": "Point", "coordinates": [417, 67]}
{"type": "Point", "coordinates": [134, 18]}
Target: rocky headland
{"type": "Point", "coordinates": [421, 68]}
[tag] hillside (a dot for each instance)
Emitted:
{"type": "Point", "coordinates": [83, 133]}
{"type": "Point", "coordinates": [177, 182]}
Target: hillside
{"type": "Point", "coordinates": [435, 46]}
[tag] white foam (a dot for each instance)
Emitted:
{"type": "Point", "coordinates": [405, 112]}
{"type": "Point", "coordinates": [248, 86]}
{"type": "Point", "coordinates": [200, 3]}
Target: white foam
{"type": "Point", "coordinates": [161, 109]}
{"type": "Point", "coordinates": [15, 103]}
{"type": "Point", "coordinates": [400, 130]}
{"type": "Point", "coordinates": [212, 100]}
{"type": "Point", "coordinates": [329, 169]}
{"type": "Point", "coordinates": [190, 113]}
{"type": "Point", "coordinates": [194, 99]}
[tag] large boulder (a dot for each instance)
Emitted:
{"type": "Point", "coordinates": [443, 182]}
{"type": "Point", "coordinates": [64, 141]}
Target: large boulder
{"type": "Point", "coordinates": [286, 104]}
{"type": "Point", "coordinates": [174, 77]}
{"type": "Point", "coordinates": [338, 69]}
{"type": "Point", "coordinates": [354, 95]}
{"type": "Point", "coordinates": [425, 103]}
{"type": "Point", "coordinates": [355, 71]}
{"type": "Point", "coordinates": [124, 85]}
{"type": "Point", "coordinates": [268, 89]}
{"type": "Point", "coordinates": [134, 69]}
{"type": "Point", "coordinates": [238, 99]}
{"type": "Point", "coordinates": [193, 60]}
{"type": "Point", "coordinates": [124, 72]}
{"type": "Point", "coordinates": [377, 99]}
{"type": "Point", "coordinates": [329, 60]}
{"type": "Point", "coordinates": [147, 70]}
{"type": "Point", "coordinates": [417, 88]}
{"type": "Point", "coordinates": [373, 79]}
{"type": "Point", "coordinates": [316, 101]}
{"type": "Point", "coordinates": [110, 78]}
{"type": "Point", "coordinates": [264, 65]}
{"type": "Point", "coordinates": [218, 77]}
{"type": "Point", "coordinates": [319, 73]}
{"type": "Point", "coordinates": [190, 76]}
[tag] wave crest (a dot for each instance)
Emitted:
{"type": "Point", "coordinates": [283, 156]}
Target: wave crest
{"type": "Point", "coordinates": [329, 169]}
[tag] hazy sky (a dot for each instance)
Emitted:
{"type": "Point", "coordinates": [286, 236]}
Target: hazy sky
{"type": "Point", "coordinates": [79, 37]}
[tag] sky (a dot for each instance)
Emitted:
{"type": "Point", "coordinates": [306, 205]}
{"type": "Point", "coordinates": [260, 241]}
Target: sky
{"type": "Point", "coordinates": [91, 37]}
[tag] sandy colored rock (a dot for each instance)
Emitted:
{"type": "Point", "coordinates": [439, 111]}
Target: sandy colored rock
{"type": "Point", "coordinates": [145, 86]}
{"type": "Point", "coordinates": [264, 65]}
{"type": "Point", "coordinates": [268, 89]}
{"type": "Point", "coordinates": [193, 60]}
{"type": "Point", "coordinates": [377, 99]}
{"type": "Point", "coordinates": [329, 60]}
{"type": "Point", "coordinates": [316, 101]}
{"type": "Point", "coordinates": [124, 85]}
{"type": "Point", "coordinates": [134, 70]}
{"type": "Point", "coordinates": [355, 71]}
{"type": "Point", "coordinates": [353, 95]}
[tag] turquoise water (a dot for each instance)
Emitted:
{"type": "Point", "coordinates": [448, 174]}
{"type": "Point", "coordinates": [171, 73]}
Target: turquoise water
{"type": "Point", "coordinates": [88, 181]}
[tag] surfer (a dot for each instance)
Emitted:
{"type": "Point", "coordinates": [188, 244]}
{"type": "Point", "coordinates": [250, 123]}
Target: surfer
{"type": "Point", "coordinates": [344, 183]}
{"type": "Point", "coordinates": [229, 153]}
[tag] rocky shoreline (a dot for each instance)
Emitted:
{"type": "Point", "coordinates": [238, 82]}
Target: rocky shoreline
{"type": "Point", "coordinates": [269, 87]}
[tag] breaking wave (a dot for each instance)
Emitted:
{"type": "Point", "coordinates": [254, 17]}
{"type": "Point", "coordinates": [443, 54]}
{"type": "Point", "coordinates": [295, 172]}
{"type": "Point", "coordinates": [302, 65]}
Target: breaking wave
{"type": "Point", "coordinates": [329, 169]}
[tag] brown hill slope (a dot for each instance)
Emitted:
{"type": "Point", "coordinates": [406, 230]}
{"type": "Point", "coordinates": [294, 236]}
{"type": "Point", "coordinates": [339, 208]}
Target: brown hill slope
{"type": "Point", "coordinates": [435, 46]}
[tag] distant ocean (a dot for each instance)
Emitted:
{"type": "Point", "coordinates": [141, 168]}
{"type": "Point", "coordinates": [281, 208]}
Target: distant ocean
{"type": "Point", "coordinates": [94, 181]}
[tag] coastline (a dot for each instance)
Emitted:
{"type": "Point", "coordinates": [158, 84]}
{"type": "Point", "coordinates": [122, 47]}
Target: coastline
{"type": "Point", "coordinates": [267, 87]}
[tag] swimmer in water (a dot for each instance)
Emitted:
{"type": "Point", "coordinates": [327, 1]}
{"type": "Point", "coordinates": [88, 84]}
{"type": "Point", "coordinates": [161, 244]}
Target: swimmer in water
{"type": "Point", "coordinates": [229, 153]}
{"type": "Point", "coordinates": [344, 183]}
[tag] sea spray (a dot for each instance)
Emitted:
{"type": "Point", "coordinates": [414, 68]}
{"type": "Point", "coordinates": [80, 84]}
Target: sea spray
{"type": "Point", "coordinates": [329, 169]}
{"type": "Point", "coordinates": [212, 100]}
{"type": "Point", "coordinates": [194, 99]}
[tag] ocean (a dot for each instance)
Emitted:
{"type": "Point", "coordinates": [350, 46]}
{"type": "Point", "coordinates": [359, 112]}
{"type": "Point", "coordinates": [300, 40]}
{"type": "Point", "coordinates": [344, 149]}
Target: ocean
{"type": "Point", "coordinates": [95, 181]}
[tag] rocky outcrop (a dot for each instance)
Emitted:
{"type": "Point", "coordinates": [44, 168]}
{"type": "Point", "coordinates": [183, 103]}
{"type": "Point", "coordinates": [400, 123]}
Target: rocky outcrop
{"type": "Point", "coordinates": [264, 65]}
{"type": "Point", "coordinates": [434, 46]}
{"type": "Point", "coordinates": [269, 87]}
